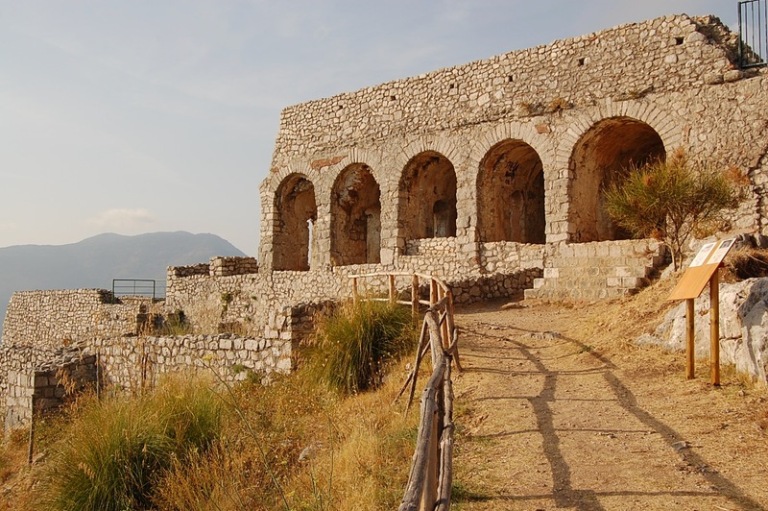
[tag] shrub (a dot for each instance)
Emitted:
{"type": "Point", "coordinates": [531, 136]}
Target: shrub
{"type": "Point", "coordinates": [672, 200]}
{"type": "Point", "coordinates": [115, 451]}
{"type": "Point", "coordinates": [357, 341]}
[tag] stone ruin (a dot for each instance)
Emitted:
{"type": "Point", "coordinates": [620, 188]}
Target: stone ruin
{"type": "Point", "coordinates": [487, 175]}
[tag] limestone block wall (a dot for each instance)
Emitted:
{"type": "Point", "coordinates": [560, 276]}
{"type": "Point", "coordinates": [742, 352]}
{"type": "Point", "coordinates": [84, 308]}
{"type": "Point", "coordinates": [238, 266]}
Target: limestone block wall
{"type": "Point", "coordinates": [136, 362]}
{"type": "Point", "coordinates": [60, 317]}
{"type": "Point", "coordinates": [579, 107]}
{"type": "Point", "coordinates": [40, 380]}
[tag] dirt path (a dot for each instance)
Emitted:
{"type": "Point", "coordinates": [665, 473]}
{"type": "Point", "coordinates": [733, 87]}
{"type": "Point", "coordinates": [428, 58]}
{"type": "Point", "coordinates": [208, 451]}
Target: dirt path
{"type": "Point", "coordinates": [557, 411]}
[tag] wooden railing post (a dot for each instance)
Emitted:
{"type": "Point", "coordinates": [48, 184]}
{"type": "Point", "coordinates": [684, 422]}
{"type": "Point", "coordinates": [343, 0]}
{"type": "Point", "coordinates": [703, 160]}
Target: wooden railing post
{"type": "Point", "coordinates": [355, 296]}
{"type": "Point", "coordinates": [415, 295]}
{"type": "Point", "coordinates": [430, 481]}
{"type": "Point", "coordinates": [392, 293]}
{"type": "Point", "coordinates": [433, 292]}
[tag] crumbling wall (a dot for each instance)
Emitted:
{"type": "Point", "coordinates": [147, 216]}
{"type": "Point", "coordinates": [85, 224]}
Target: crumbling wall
{"type": "Point", "coordinates": [57, 318]}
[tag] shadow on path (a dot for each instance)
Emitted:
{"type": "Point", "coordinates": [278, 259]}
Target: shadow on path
{"type": "Point", "coordinates": [563, 493]}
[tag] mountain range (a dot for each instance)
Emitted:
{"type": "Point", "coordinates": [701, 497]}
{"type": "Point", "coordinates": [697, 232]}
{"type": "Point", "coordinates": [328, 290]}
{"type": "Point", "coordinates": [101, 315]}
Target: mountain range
{"type": "Point", "coordinates": [94, 262]}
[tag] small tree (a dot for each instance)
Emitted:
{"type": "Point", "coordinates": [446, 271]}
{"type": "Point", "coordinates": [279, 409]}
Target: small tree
{"type": "Point", "coordinates": [672, 200]}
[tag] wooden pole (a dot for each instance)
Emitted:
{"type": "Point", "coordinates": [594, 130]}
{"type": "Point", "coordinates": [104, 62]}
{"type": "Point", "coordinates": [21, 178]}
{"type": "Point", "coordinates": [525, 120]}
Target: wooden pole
{"type": "Point", "coordinates": [433, 292]}
{"type": "Point", "coordinates": [431, 479]}
{"type": "Point", "coordinates": [415, 295]}
{"type": "Point", "coordinates": [714, 328]}
{"type": "Point", "coordinates": [392, 296]}
{"type": "Point", "coordinates": [31, 444]}
{"type": "Point", "coordinates": [354, 290]}
{"type": "Point", "coordinates": [689, 316]}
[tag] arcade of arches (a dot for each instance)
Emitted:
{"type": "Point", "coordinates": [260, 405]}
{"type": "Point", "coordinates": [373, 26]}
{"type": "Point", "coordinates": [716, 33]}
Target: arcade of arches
{"type": "Point", "coordinates": [510, 197]}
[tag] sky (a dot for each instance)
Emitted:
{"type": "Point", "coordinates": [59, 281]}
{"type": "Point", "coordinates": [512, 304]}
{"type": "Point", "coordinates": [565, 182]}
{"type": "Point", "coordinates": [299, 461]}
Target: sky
{"type": "Point", "coordinates": [134, 116]}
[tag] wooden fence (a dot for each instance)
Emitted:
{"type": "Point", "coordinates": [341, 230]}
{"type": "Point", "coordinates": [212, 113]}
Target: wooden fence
{"type": "Point", "coordinates": [431, 475]}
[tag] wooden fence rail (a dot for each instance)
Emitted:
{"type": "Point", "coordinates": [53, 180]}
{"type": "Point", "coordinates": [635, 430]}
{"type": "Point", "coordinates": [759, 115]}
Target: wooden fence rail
{"type": "Point", "coordinates": [431, 475]}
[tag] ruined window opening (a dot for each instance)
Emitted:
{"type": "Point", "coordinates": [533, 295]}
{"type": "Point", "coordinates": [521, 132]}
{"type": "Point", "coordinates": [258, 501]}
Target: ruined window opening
{"type": "Point", "coordinates": [427, 206]}
{"type": "Point", "coordinates": [581, 61]}
{"type": "Point", "coordinates": [679, 41]}
{"type": "Point", "coordinates": [296, 217]}
{"type": "Point", "coordinates": [510, 79]}
{"type": "Point", "coordinates": [510, 194]}
{"type": "Point", "coordinates": [355, 217]}
{"type": "Point", "coordinates": [601, 157]}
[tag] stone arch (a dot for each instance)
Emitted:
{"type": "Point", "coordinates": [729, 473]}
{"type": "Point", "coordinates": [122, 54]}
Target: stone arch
{"type": "Point", "coordinates": [510, 194]}
{"type": "Point", "coordinates": [355, 217]}
{"type": "Point", "coordinates": [296, 215]}
{"type": "Point", "coordinates": [427, 205]}
{"type": "Point", "coordinates": [601, 157]}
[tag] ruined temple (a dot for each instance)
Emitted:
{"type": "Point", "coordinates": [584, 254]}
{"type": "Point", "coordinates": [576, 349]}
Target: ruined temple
{"type": "Point", "coordinates": [488, 175]}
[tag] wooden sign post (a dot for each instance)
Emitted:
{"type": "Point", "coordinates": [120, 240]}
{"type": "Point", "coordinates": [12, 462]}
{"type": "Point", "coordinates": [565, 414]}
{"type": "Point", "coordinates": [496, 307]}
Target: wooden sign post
{"type": "Point", "coordinates": [703, 270]}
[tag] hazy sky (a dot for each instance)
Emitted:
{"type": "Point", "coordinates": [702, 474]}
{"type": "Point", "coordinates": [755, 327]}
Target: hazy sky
{"type": "Point", "coordinates": [137, 116]}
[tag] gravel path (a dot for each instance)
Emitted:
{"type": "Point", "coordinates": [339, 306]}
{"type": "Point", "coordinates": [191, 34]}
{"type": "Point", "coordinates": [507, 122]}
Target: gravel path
{"type": "Point", "coordinates": [551, 415]}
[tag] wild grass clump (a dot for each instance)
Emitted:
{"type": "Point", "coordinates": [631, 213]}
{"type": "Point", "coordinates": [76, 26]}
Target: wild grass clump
{"type": "Point", "coordinates": [115, 451]}
{"type": "Point", "coordinates": [355, 344]}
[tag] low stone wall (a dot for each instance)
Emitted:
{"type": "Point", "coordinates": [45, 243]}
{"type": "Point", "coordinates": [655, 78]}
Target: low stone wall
{"type": "Point", "coordinates": [133, 363]}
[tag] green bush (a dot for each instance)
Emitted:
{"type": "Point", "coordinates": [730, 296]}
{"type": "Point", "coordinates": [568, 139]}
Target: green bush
{"type": "Point", "coordinates": [672, 200]}
{"type": "Point", "coordinates": [116, 450]}
{"type": "Point", "coordinates": [355, 344]}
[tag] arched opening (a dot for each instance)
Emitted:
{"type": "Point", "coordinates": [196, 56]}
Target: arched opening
{"type": "Point", "coordinates": [601, 157]}
{"type": "Point", "coordinates": [355, 217]}
{"type": "Point", "coordinates": [294, 227]}
{"type": "Point", "coordinates": [510, 194]}
{"type": "Point", "coordinates": [428, 197]}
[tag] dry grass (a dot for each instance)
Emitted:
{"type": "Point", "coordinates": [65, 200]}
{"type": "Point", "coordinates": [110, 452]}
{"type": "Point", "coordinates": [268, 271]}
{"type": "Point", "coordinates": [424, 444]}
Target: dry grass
{"type": "Point", "coordinates": [292, 445]}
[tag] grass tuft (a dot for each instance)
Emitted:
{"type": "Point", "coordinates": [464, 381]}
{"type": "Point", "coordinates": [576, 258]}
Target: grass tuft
{"type": "Point", "coordinates": [355, 344]}
{"type": "Point", "coordinates": [114, 451]}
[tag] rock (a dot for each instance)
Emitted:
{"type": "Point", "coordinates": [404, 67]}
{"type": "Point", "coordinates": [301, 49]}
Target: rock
{"type": "Point", "coordinates": [713, 79]}
{"type": "Point", "coordinates": [743, 327]}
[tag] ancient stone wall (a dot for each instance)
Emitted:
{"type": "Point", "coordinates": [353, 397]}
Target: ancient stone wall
{"type": "Point", "coordinates": [136, 362]}
{"type": "Point", "coordinates": [487, 175]}
{"type": "Point", "coordinates": [530, 138]}
{"type": "Point", "coordinates": [40, 380]}
{"type": "Point", "coordinates": [51, 319]}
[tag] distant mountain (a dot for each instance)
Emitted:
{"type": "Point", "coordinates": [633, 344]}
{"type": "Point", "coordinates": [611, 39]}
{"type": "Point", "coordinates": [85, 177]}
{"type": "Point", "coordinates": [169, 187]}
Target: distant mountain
{"type": "Point", "coordinates": [94, 262]}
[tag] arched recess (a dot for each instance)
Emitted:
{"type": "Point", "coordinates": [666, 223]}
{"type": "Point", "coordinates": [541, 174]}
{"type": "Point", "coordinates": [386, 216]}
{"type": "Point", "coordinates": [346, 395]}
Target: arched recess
{"type": "Point", "coordinates": [296, 211]}
{"type": "Point", "coordinates": [601, 157]}
{"type": "Point", "coordinates": [510, 194]}
{"type": "Point", "coordinates": [355, 217]}
{"type": "Point", "coordinates": [427, 207]}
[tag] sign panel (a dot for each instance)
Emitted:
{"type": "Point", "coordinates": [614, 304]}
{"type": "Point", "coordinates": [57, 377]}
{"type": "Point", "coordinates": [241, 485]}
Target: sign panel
{"type": "Point", "coordinates": [701, 269]}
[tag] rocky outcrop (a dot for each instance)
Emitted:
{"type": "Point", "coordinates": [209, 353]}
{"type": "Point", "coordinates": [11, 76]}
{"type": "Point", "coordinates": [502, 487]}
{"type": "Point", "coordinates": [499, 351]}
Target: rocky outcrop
{"type": "Point", "coordinates": [743, 327]}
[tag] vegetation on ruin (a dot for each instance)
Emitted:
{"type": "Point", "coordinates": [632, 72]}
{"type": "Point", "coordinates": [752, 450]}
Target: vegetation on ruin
{"type": "Point", "coordinates": [196, 444]}
{"type": "Point", "coordinates": [355, 343]}
{"type": "Point", "coordinates": [673, 201]}
{"type": "Point", "coordinates": [114, 451]}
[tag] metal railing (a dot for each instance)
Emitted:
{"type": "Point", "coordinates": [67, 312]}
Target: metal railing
{"type": "Point", "coordinates": [135, 287]}
{"type": "Point", "coordinates": [753, 33]}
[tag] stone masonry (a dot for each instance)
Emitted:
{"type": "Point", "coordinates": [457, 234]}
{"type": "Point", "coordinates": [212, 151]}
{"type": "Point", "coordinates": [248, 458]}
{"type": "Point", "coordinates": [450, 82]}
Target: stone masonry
{"type": "Point", "coordinates": [487, 175]}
